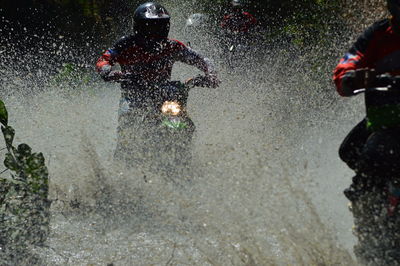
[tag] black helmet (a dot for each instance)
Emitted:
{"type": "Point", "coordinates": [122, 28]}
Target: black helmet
{"type": "Point", "coordinates": [151, 20]}
{"type": "Point", "coordinates": [394, 8]}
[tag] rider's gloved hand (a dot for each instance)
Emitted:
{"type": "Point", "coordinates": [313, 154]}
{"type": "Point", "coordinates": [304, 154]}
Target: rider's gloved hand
{"type": "Point", "coordinates": [112, 75]}
{"type": "Point", "coordinates": [105, 72]}
{"type": "Point", "coordinates": [115, 75]}
{"type": "Point", "coordinates": [357, 79]}
{"type": "Point", "coordinates": [213, 80]}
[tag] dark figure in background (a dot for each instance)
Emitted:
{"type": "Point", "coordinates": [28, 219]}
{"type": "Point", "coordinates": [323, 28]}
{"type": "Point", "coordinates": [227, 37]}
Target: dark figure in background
{"type": "Point", "coordinates": [373, 154]}
{"type": "Point", "coordinates": [237, 27]}
{"type": "Point", "coordinates": [237, 21]}
{"type": "Point", "coordinates": [146, 59]}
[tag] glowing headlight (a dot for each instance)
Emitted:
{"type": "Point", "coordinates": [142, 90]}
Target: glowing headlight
{"type": "Point", "coordinates": [171, 108]}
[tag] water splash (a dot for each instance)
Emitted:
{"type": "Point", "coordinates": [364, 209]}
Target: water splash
{"type": "Point", "coordinates": [265, 187]}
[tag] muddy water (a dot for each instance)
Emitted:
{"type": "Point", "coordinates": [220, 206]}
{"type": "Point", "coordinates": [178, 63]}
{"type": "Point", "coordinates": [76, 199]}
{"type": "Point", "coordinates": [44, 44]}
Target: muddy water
{"type": "Point", "coordinates": [265, 187]}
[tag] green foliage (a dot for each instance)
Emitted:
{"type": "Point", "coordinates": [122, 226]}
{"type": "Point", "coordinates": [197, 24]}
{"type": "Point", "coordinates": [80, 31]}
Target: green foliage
{"type": "Point", "coordinates": [312, 21]}
{"type": "Point", "coordinates": [300, 22]}
{"type": "Point", "coordinates": [28, 167]}
{"type": "Point", "coordinates": [8, 133]}
{"type": "Point", "coordinates": [72, 75]}
{"type": "Point", "coordinates": [3, 114]}
{"type": "Point", "coordinates": [24, 204]}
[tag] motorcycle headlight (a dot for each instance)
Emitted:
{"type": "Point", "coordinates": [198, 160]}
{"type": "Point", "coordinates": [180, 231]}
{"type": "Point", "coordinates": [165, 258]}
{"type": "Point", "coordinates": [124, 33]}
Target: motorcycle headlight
{"type": "Point", "coordinates": [171, 108]}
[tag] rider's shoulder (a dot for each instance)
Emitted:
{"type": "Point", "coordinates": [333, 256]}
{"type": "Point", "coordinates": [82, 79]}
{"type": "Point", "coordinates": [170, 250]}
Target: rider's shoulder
{"type": "Point", "coordinates": [177, 44]}
{"type": "Point", "coordinates": [374, 31]}
{"type": "Point", "coordinates": [124, 42]}
{"type": "Point", "coordinates": [247, 14]}
{"type": "Point", "coordinates": [380, 25]}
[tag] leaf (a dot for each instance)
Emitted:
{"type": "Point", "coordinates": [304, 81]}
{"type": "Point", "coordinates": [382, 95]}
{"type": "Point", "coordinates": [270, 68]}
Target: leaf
{"type": "Point", "coordinates": [3, 114]}
{"type": "Point", "coordinates": [24, 151]}
{"type": "Point", "coordinates": [35, 161]}
{"type": "Point", "coordinates": [8, 133]}
{"type": "Point", "coordinates": [10, 162]}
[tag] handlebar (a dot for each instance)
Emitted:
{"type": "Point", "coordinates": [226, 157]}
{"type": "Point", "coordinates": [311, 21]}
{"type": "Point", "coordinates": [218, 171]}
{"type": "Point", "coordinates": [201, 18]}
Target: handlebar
{"type": "Point", "coordinates": [121, 77]}
{"type": "Point", "coordinates": [383, 82]}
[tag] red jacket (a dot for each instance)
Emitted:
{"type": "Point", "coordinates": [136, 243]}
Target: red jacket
{"type": "Point", "coordinates": [151, 62]}
{"type": "Point", "coordinates": [377, 48]}
{"type": "Point", "coordinates": [238, 22]}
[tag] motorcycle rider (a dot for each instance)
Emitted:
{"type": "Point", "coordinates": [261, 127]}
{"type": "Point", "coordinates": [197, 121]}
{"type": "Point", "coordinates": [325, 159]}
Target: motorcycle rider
{"type": "Point", "coordinates": [377, 51]}
{"type": "Point", "coordinates": [146, 59]}
{"type": "Point", "coordinates": [237, 28]}
{"type": "Point", "coordinates": [148, 55]}
{"type": "Point", "coordinates": [237, 20]}
{"type": "Point", "coordinates": [373, 154]}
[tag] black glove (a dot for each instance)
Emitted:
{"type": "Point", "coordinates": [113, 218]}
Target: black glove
{"type": "Point", "coordinates": [357, 79]}
{"type": "Point", "coordinates": [113, 76]}
{"type": "Point", "coordinates": [105, 72]}
{"type": "Point", "coordinates": [213, 81]}
{"type": "Point", "coordinates": [348, 83]}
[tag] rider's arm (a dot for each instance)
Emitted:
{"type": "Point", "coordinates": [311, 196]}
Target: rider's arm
{"type": "Point", "coordinates": [360, 55]}
{"type": "Point", "coordinates": [105, 62]}
{"type": "Point", "coordinates": [191, 57]}
{"type": "Point", "coordinates": [111, 57]}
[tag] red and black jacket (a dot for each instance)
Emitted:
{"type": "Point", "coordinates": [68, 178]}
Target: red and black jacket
{"type": "Point", "coordinates": [151, 62]}
{"type": "Point", "coordinates": [377, 48]}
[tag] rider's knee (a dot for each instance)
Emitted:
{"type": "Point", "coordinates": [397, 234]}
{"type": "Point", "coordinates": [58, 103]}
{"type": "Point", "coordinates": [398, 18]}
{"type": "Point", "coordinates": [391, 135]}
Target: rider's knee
{"type": "Point", "coordinates": [351, 148]}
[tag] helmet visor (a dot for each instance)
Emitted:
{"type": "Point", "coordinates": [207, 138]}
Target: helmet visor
{"type": "Point", "coordinates": [154, 28]}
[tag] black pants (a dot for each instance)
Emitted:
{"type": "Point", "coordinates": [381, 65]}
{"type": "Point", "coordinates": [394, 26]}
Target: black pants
{"type": "Point", "coordinates": [374, 156]}
{"type": "Point", "coordinates": [351, 149]}
{"type": "Point", "coordinates": [372, 153]}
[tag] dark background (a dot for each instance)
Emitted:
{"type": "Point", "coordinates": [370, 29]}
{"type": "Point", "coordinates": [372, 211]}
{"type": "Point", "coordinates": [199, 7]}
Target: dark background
{"type": "Point", "coordinates": [77, 20]}
{"type": "Point", "coordinates": [36, 32]}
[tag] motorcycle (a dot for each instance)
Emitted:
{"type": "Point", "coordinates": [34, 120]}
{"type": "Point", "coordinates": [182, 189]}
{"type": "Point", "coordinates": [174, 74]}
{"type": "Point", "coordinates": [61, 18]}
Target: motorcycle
{"type": "Point", "coordinates": [375, 193]}
{"type": "Point", "coordinates": [155, 131]}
